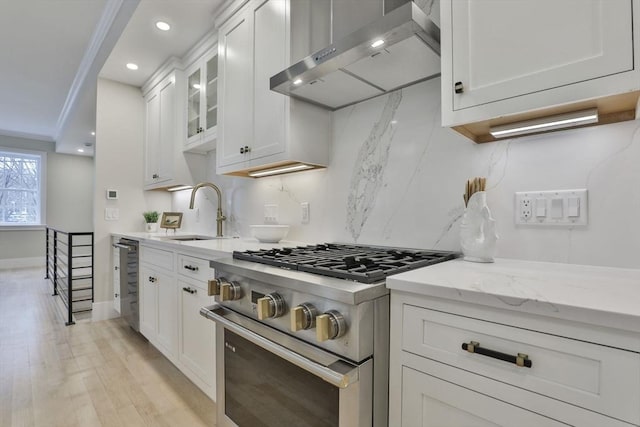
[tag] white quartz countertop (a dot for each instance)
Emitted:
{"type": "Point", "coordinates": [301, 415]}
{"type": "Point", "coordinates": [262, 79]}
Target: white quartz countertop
{"type": "Point", "coordinates": [596, 295]}
{"type": "Point", "coordinates": [209, 249]}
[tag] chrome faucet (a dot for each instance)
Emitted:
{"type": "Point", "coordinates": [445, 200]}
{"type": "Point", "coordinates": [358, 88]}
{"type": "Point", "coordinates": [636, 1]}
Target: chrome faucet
{"type": "Point", "coordinates": [219, 216]}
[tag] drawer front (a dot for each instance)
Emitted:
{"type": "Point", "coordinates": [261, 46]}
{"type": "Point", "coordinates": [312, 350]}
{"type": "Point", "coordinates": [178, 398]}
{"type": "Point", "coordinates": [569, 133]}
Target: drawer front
{"type": "Point", "coordinates": [195, 268]}
{"type": "Point", "coordinates": [428, 401]}
{"type": "Point", "coordinates": [157, 257]}
{"type": "Point", "coordinates": [590, 376]}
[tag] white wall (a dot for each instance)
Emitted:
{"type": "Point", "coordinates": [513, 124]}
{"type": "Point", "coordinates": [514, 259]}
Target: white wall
{"type": "Point", "coordinates": [69, 207]}
{"type": "Point", "coordinates": [120, 114]}
{"type": "Point", "coordinates": [396, 178]}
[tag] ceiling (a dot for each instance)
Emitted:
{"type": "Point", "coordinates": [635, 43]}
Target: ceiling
{"type": "Point", "coordinates": [54, 50]}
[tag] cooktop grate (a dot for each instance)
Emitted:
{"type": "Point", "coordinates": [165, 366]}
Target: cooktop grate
{"type": "Point", "coordinates": [365, 264]}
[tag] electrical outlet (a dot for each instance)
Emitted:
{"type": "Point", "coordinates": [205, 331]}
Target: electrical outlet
{"type": "Point", "coordinates": [304, 206]}
{"type": "Point", "coordinates": [525, 208]}
{"type": "Point", "coordinates": [270, 214]}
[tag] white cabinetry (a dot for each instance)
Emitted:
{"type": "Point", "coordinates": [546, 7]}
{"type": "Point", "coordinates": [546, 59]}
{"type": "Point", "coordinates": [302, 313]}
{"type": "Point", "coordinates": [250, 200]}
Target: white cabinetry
{"type": "Point", "coordinates": [158, 299]}
{"type": "Point", "coordinates": [170, 306]}
{"type": "Point", "coordinates": [436, 380]}
{"type": "Point", "coordinates": [164, 163]}
{"type": "Point", "coordinates": [535, 58]}
{"type": "Point", "coordinates": [197, 334]}
{"type": "Point", "coordinates": [202, 103]}
{"type": "Point", "coordinates": [259, 128]}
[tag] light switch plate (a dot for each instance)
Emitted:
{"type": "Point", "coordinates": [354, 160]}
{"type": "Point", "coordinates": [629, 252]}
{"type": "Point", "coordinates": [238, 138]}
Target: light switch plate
{"type": "Point", "coordinates": [564, 208]}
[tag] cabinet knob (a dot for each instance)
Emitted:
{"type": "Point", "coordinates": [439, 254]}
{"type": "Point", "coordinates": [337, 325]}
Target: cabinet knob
{"type": "Point", "coordinates": [115, 295]}
{"type": "Point", "coordinates": [245, 149]}
{"type": "Point", "coordinates": [155, 176]}
{"type": "Point", "coordinates": [458, 87]}
{"type": "Point", "coordinates": [152, 279]}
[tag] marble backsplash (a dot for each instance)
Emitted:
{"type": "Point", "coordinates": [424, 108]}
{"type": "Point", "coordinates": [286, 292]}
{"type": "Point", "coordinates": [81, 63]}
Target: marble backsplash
{"type": "Point", "coordinates": [396, 178]}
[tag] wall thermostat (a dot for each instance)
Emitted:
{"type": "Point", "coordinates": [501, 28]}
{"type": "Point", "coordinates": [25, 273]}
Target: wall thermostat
{"type": "Point", "coordinates": [112, 194]}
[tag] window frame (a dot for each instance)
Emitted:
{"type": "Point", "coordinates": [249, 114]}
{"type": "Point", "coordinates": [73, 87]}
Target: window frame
{"type": "Point", "coordinates": [42, 188]}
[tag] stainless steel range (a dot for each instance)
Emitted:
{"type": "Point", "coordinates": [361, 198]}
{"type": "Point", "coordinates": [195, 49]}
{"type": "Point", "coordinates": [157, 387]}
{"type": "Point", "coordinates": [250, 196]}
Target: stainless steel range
{"type": "Point", "coordinates": [303, 334]}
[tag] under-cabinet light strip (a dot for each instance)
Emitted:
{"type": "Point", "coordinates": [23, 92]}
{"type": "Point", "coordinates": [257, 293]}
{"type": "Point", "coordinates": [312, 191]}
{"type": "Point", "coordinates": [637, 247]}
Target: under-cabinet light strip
{"type": "Point", "coordinates": [275, 171]}
{"type": "Point", "coordinates": [560, 121]}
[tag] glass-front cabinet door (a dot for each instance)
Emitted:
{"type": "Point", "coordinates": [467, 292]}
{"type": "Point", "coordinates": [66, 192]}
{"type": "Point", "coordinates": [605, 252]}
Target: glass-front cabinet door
{"type": "Point", "coordinates": [202, 103]}
{"type": "Point", "coordinates": [193, 104]}
{"type": "Point", "coordinates": [212, 92]}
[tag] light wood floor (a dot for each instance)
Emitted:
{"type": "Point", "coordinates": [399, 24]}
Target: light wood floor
{"type": "Point", "coordinates": [88, 374]}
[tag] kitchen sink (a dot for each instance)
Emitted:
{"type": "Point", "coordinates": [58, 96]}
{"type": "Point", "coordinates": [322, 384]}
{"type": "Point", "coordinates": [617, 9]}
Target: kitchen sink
{"type": "Point", "coordinates": [191, 238]}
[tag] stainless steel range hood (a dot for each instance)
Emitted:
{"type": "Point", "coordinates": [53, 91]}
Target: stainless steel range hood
{"type": "Point", "coordinates": [356, 68]}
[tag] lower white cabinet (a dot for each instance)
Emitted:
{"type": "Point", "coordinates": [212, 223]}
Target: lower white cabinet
{"type": "Point", "coordinates": [158, 309]}
{"type": "Point", "coordinates": [429, 401]}
{"type": "Point", "coordinates": [170, 304]}
{"type": "Point", "coordinates": [455, 364]}
{"type": "Point", "coordinates": [197, 336]}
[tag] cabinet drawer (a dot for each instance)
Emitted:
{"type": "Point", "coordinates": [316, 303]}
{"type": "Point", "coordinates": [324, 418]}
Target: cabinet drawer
{"type": "Point", "coordinates": [431, 402]}
{"type": "Point", "coordinates": [195, 268]}
{"type": "Point", "coordinates": [157, 257]}
{"type": "Point", "coordinates": [590, 376]}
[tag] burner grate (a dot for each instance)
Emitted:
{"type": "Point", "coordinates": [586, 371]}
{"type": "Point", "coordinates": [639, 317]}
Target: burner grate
{"type": "Point", "coordinates": [360, 263]}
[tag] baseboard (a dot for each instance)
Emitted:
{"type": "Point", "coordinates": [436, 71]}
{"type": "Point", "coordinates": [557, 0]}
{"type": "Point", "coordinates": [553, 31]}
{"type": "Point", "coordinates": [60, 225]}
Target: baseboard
{"type": "Point", "coordinates": [103, 311]}
{"type": "Point", "coordinates": [22, 262]}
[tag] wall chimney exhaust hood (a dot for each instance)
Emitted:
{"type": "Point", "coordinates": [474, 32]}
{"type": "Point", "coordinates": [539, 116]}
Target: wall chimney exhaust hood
{"type": "Point", "coordinates": [397, 50]}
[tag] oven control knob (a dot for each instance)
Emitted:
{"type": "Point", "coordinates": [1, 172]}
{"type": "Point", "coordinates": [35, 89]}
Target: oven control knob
{"type": "Point", "coordinates": [303, 316]}
{"type": "Point", "coordinates": [270, 306]}
{"type": "Point", "coordinates": [214, 286]}
{"type": "Point", "coordinates": [330, 325]}
{"type": "Point", "coordinates": [229, 291]}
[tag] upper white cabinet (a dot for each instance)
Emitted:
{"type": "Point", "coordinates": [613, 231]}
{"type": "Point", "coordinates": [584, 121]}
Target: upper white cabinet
{"type": "Point", "coordinates": [202, 103]}
{"type": "Point", "coordinates": [508, 61]}
{"type": "Point", "coordinates": [160, 132]}
{"type": "Point", "coordinates": [165, 165]}
{"type": "Point", "coordinates": [259, 128]}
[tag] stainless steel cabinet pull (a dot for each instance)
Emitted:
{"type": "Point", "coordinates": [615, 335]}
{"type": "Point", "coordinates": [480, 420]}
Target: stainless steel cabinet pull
{"type": "Point", "coordinates": [152, 279]}
{"type": "Point", "coordinates": [191, 291]}
{"type": "Point", "coordinates": [458, 87]}
{"type": "Point", "coordinates": [244, 149]}
{"type": "Point", "coordinates": [521, 359]}
{"type": "Point", "coordinates": [191, 268]}
{"type": "Point", "coordinates": [155, 175]}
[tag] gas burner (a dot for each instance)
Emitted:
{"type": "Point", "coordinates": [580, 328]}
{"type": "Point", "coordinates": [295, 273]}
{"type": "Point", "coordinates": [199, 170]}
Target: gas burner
{"type": "Point", "coordinates": [365, 264]}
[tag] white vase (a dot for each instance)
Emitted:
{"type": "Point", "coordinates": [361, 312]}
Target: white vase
{"type": "Point", "coordinates": [478, 230]}
{"type": "Point", "coordinates": [151, 227]}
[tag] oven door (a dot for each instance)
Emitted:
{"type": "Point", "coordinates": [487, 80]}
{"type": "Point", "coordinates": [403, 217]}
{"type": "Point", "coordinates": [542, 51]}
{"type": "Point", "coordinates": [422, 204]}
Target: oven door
{"type": "Point", "coordinates": [266, 378]}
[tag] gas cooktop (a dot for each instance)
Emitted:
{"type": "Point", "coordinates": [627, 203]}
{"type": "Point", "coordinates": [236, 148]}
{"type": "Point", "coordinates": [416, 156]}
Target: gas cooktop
{"type": "Point", "coordinates": [365, 264]}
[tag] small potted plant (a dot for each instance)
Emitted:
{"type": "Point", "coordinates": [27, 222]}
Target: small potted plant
{"type": "Point", "coordinates": [151, 219]}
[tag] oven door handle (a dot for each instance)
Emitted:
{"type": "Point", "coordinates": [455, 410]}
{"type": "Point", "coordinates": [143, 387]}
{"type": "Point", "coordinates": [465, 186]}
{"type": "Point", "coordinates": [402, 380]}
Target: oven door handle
{"type": "Point", "coordinates": [340, 373]}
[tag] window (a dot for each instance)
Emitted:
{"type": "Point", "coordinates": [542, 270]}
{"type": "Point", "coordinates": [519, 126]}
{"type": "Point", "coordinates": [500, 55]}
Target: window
{"type": "Point", "coordinates": [21, 187]}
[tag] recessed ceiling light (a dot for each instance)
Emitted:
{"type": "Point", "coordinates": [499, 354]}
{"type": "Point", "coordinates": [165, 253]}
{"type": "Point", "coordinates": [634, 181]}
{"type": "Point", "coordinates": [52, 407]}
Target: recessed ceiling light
{"type": "Point", "coordinates": [80, 150]}
{"type": "Point", "coordinates": [163, 26]}
{"type": "Point", "coordinates": [196, 86]}
{"type": "Point", "coordinates": [132, 66]}
{"type": "Point", "coordinates": [377, 43]}
{"type": "Point", "coordinates": [93, 133]}
{"type": "Point", "coordinates": [297, 81]}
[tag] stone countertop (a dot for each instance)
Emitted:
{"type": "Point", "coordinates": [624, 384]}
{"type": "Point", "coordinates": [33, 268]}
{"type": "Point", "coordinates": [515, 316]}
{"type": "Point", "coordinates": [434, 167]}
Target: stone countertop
{"type": "Point", "coordinates": [209, 249]}
{"type": "Point", "coordinates": [596, 295]}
